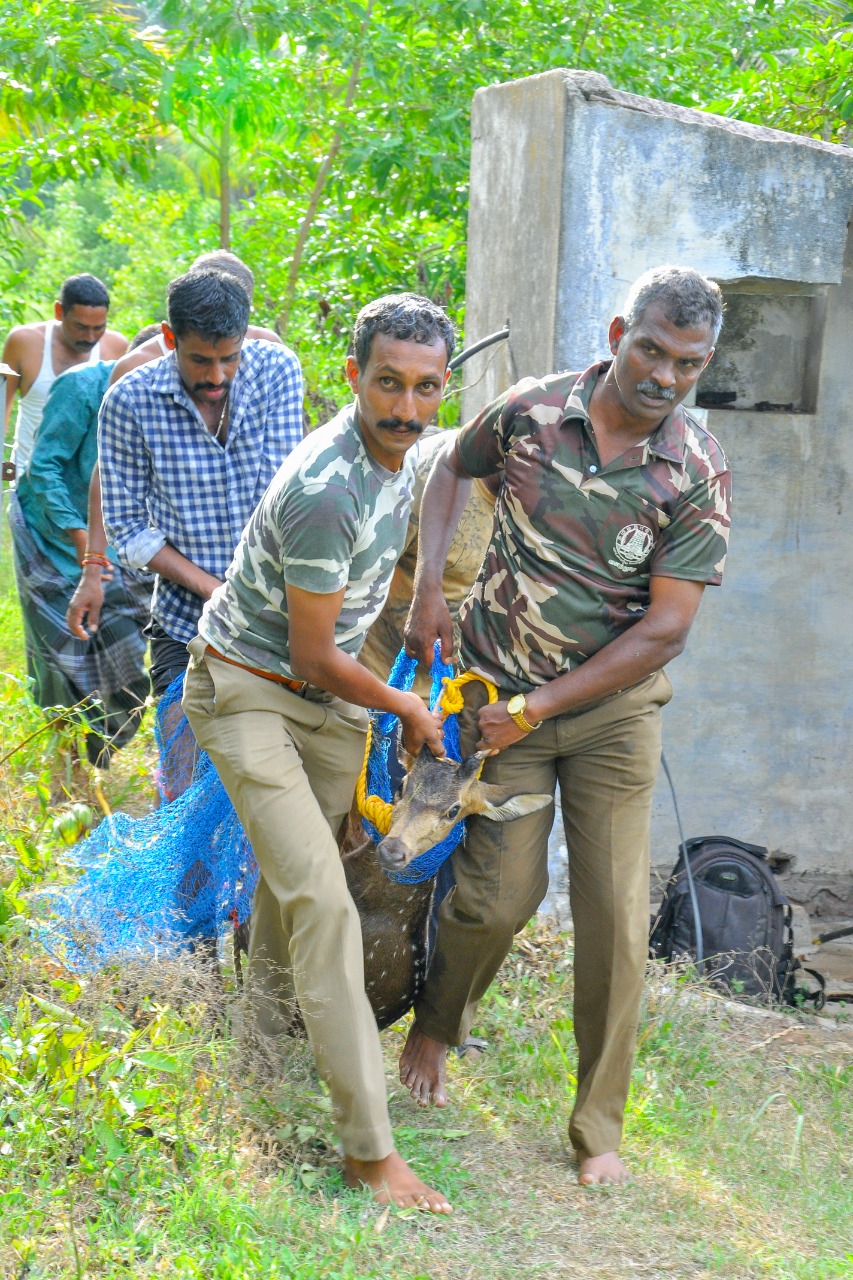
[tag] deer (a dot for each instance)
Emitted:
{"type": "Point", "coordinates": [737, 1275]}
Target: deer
{"type": "Point", "coordinates": [434, 796]}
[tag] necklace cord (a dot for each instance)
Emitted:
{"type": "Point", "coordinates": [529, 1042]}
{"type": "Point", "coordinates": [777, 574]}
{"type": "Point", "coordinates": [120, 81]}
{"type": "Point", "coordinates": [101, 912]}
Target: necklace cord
{"type": "Point", "coordinates": [218, 431]}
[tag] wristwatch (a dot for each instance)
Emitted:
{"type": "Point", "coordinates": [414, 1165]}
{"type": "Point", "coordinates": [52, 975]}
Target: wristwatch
{"type": "Point", "coordinates": [515, 708]}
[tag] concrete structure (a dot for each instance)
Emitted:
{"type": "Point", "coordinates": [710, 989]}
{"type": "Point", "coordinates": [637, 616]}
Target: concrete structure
{"type": "Point", "coordinates": [575, 190]}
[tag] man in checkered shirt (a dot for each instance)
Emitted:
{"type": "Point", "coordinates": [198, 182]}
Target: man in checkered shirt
{"type": "Point", "coordinates": [187, 446]}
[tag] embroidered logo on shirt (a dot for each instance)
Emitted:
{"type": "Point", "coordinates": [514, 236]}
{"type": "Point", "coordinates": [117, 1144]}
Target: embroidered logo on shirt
{"type": "Point", "coordinates": [632, 547]}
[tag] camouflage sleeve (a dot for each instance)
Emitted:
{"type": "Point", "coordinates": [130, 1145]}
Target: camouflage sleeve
{"type": "Point", "coordinates": [694, 543]}
{"type": "Point", "coordinates": [318, 524]}
{"type": "Point", "coordinates": [483, 444]}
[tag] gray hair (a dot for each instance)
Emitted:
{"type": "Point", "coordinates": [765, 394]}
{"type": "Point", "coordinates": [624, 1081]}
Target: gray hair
{"type": "Point", "coordinates": [406, 316]}
{"type": "Point", "coordinates": [144, 335]}
{"type": "Point", "coordinates": [688, 298]}
{"type": "Point", "coordinates": [227, 263]}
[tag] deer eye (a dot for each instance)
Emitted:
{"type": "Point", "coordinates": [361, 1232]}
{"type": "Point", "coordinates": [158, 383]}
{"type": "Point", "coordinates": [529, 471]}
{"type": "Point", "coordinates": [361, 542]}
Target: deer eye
{"type": "Point", "coordinates": [453, 811]}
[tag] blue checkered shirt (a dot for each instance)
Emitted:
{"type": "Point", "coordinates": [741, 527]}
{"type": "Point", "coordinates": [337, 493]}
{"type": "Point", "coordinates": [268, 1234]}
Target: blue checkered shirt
{"type": "Point", "coordinates": [165, 479]}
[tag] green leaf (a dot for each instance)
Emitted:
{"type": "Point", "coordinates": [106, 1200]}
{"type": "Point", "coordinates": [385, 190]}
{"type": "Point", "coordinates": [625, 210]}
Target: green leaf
{"type": "Point", "coordinates": [158, 1061]}
{"type": "Point", "coordinates": [109, 1139]}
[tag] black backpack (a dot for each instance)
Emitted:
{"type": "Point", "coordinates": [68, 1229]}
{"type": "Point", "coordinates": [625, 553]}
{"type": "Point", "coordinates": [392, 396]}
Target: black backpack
{"type": "Point", "coordinates": [747, 936]}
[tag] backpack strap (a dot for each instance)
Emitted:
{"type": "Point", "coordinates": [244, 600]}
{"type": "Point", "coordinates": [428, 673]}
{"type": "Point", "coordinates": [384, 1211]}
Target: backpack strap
{"type": "Point", "coordinates": [802, 995]}
{"type": "Point", "coordinates": [757, 850]}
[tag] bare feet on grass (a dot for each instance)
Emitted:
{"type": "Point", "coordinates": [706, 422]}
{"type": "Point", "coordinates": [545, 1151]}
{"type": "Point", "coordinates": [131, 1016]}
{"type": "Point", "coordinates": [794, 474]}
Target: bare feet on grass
{"type": "Point", "coordinates": [602, 1171]}
{"type": "Point", "coordinates": [422, 1068]}
{"type": "Point", "coordinates": [393, 1182]}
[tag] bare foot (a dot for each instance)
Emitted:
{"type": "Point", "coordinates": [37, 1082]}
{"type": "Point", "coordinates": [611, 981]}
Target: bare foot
{"type": "Point", "coordinates": [422, 1067]}
{"type": "Point", "coordinates": [393, 1182]}
{"type": "Point", "coordinates": [603, 1170]}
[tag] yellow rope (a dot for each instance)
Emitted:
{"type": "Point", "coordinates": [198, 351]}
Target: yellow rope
{"type": "Point", "coordinates": [100, 797]}
{"type": "Point", "coordinates": [452, 700]}
{"type": "Point", "coordinates": [379, 811]}
{"type": "Point", "coordinates": [374, 808]}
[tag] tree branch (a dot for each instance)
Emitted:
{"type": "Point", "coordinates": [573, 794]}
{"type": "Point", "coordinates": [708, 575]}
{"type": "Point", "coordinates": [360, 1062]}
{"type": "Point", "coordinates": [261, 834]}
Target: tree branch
{"type": "Point", "coordinates": [319, 182]}
{"type": "Point", "coordinates": [202, 145]}
{"type": "Point", "coordinates": [225, 183]}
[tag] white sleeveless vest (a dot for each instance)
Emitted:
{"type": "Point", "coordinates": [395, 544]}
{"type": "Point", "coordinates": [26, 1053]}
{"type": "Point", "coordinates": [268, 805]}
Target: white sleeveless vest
{"type": "Point", "coordinates": [31, 406]}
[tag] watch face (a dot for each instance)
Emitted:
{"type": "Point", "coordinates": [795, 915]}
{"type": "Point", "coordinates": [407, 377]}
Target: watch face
{"type": "Point", "coordinates": [515, 704]}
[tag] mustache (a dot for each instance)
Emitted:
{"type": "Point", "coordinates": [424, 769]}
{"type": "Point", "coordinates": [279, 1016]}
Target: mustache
{"type": "Point", "coordinates": [652, 388]}
{"type": "Point", "coordinates": [211, 386]}
{"type": "Point", "coordinates": [394, 424]}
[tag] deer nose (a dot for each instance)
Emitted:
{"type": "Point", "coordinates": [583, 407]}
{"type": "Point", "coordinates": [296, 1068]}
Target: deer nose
{"type": "Point", "coordinates": [392, 854]}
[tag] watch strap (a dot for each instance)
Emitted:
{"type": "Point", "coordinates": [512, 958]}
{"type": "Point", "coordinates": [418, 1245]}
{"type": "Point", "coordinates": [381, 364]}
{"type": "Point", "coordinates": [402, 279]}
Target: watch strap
{"type": "Point", "coordinates": [522, 721]}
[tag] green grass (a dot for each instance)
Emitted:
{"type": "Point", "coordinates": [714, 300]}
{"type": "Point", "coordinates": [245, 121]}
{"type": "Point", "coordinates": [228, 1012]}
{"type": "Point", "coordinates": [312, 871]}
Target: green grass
{"type": "Point", "coordinates": [11, 628]}
{"type": "Point", "coordinates": [138, 1134]}
{"type": "Point", "coordinates": [137, 1139]}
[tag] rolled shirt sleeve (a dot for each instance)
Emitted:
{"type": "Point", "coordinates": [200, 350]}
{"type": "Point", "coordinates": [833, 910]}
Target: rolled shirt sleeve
{"type": "Point", "coordinates": [125, 482]}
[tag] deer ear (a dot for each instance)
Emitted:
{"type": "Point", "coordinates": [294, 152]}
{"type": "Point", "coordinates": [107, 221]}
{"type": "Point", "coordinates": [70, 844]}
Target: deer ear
{"type": "Point", "coordinates": [503, 808]}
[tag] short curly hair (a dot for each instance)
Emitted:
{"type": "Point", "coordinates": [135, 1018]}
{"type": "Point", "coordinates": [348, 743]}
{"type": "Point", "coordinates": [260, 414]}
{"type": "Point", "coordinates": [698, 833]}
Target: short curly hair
{"type": "Point", "coordinates": [407, 316]}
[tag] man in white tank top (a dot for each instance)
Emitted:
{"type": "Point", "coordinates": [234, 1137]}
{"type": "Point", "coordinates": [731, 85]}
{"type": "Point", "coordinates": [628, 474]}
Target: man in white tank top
{"type": "Point", "coordinates": [38, 353]}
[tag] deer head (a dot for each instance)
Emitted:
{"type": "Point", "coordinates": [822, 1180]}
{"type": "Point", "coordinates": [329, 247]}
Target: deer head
{"type": "Point", "coordinates": [437, 794]}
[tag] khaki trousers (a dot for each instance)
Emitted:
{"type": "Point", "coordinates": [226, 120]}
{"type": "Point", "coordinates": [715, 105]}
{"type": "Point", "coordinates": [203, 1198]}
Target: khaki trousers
{"type": "Point", "coordinates": [289, 762]}
{"type": "Point", "coordinates": [606, 760]}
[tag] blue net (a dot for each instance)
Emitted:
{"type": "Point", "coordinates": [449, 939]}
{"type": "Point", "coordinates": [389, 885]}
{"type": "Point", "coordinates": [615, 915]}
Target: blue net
{"type": "Point", "coordinates": [185, 872]}
{"type": "Point", "coordinates": [162, 881]}
{"type": "Point", "coordinates": [385, 735]}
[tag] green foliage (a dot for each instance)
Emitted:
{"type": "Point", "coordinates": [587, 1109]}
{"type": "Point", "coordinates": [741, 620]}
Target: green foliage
{"type": "Point", "coordinates": [803, 83]}
{"type": "Point", "coordinates": [157, 234]}
{"type": "Point", "coordinates": [68, 71]}
{"type": "Point", "coordinates": [327, 144]}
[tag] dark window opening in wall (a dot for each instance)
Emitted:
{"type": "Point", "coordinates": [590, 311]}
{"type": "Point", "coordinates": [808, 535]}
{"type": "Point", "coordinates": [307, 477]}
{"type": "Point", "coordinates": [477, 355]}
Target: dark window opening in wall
{"type": "Point", "coordinates": [768, 355]}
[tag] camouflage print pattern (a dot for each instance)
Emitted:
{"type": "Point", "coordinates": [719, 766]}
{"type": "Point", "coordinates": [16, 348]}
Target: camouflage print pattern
{"type": "Point", "coordinates": [576, 544]}
{"type": "Point", "coordinates": [332, 518]}
{"type": "Point", "coordinates": [464, 557]}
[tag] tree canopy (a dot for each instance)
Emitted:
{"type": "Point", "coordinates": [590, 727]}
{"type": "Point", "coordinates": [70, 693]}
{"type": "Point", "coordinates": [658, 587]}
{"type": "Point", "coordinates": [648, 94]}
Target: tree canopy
{"type": "Point", "coordinates": [329, 145]}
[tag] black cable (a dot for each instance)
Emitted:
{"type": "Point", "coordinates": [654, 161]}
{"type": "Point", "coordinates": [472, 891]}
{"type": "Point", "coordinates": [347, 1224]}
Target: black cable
{"type": "Point", "coordinates": [478, 346]}
{"type": "Point", "coordinates": [694, 902]}
{"type": "Point", "coordinates": [835, 933]}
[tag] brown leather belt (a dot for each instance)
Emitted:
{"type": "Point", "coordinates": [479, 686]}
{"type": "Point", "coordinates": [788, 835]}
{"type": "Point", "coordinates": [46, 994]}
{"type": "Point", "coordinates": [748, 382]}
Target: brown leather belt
{"type": "Point", "coordinates": [296, 685]}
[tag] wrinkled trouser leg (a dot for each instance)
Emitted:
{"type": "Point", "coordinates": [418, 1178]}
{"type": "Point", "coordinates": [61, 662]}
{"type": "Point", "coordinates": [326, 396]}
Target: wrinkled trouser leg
{"type": "Point", "coordinates": [606, 785]}
{"type": "Point", "coordinates": [606, 760]}
{"type": "Point", "coordinates": [289, 765]}
{"type": "Point", "coordinates": [501, 874]}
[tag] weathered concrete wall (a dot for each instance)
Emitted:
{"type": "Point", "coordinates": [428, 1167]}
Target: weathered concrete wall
{"type": "Point", "coordinates": [577, 189]}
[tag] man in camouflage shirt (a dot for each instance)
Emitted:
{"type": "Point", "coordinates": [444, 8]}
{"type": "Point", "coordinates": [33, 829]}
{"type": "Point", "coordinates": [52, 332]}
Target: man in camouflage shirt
{"type": "Point", "coordinates": [276, 697]}
{"type": "Point", "coordinates": [611, 518]}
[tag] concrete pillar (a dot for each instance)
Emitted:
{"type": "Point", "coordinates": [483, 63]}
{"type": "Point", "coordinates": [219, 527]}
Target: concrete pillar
{"type": "Point", "coordinates": [576, 189]}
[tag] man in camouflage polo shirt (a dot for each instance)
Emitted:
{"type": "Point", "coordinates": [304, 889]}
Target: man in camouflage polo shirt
{"type": "Point", "coordinates": [611, 518]}
{"type": "Point", "coordinates": [276, 697]}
